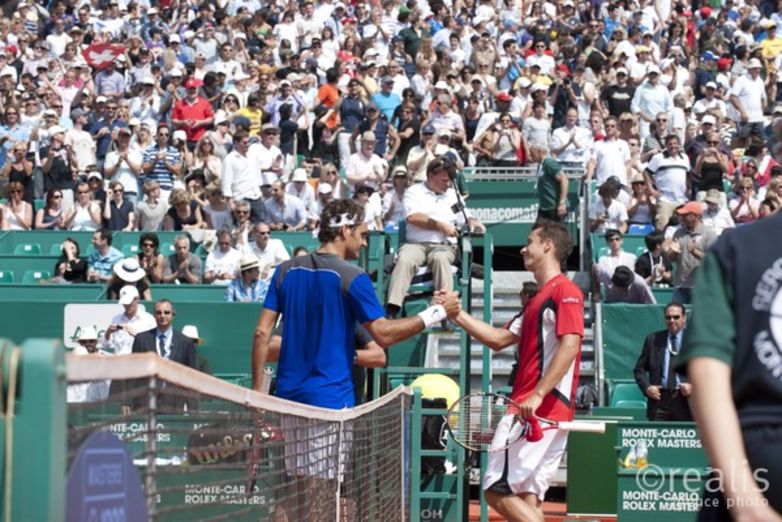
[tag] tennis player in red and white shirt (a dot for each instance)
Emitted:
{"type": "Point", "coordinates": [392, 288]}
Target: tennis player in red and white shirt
{"type": "Point", "coordinates": [548, 334]}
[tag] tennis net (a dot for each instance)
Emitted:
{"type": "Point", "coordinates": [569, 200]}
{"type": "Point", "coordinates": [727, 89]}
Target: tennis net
{"type": "Point", "coordinates": [209, 450]}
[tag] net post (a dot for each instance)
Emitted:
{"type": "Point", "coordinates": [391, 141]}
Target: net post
{"type": "Point", "coordinates": [149, 480]}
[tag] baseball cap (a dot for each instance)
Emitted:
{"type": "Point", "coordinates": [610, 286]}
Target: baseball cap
{"type": "Point", "coordinates": [503, 96]}
{"type": "Point", "coordinates": [711, 85]}
{"type": "Point", "coordinates": [127, 294]}
{"type": "Point", "coordinates": [623, 277]}
{"type": "Point", "coordinates": [621, 70]}
{"type": "Point", "coordinates": [709, 119]}
{"type": "Point", "coordinates": [653, 69]}
{"type": "Point", "coordinates": [325, 188]}
{"type": "Point", "coordinates": [754, 63]}
{"type": "Point", "coordinates": [193, 83]}
{"type": "Point", "coordinates": [691, 207]}
{"type": "Point", "coordinates": [399, 170]}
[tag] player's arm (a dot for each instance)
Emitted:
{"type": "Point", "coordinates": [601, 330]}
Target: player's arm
{"type": "Point", "coordinates": [387, 332]}
{"type": "Point", "coordinates": [494, 338]}
{"type": "Point", "coordinates": [721, 435]}
{"type": "Point", "coordinates": [564, 355]}
{"type": "Point", "coordinates": [263, 331]}
{"type": "Point", "coordinates": [372, 355]}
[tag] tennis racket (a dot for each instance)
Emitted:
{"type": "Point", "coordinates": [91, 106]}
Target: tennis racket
{"type": "Point", "coordinates": [489, 422]}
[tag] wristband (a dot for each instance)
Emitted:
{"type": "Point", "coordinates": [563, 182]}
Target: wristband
{"type": "Point", "coordinates": [433, 315]}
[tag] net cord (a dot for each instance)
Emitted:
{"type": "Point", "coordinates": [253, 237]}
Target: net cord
{"type": "Point", "coordinates": [147, 365]}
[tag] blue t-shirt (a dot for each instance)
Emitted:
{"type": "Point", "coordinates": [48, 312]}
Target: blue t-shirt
{"type": "Point", "coordinates": [321, 298]}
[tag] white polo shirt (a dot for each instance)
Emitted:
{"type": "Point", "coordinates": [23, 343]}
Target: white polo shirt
{"type": "Point", "coordinates": [611, 160]}
{"type": "Point", "coordinates": [670, 176]}
{"type": "Point", "coordinates": [420, 200]}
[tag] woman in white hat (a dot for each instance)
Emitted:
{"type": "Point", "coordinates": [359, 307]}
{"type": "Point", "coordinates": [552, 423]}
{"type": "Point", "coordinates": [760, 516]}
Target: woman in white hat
{"type": "Point", "coordinates": [128, 271]}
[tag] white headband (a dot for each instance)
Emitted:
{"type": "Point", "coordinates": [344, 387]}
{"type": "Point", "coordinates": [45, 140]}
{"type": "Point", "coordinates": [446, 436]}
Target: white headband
{"type": "Point", "coordinates": [343, 220]}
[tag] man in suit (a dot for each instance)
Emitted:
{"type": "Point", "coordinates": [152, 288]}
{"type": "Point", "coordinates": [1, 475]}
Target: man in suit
{"type": "Point", "coordinates": [667, 391]}
{"type": "Point", "coordinates": [163, 339]}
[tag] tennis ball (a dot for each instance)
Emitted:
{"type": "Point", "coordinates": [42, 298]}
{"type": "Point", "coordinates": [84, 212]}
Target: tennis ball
{"type": "Point", "coordinates": [437, 386]}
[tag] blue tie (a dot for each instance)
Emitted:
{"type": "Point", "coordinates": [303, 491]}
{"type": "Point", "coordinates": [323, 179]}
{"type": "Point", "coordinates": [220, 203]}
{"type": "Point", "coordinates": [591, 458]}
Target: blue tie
{"type": "Point", "coordinates": [162, 346]}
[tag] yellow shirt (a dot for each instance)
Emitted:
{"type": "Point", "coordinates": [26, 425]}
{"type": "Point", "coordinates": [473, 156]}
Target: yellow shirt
{"type": "Point", "coordinates": [255, 119]}
{"type": "Point", "coordinates": [771, 48]}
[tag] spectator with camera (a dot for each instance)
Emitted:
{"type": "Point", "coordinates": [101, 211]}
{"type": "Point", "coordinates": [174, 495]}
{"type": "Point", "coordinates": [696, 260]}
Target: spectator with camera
{"type": "Point", "coordinates": [124, 327]}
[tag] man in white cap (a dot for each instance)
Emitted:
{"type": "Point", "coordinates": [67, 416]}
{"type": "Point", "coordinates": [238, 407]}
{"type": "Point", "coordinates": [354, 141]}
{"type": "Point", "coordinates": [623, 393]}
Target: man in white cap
{"type": "Point", "coordinates": [710, 102]}
{"type": "Point", "coordinates": [300, 188]}
{"type": "Point", "coordinates": [325, 195]}
{"type": "Point", "coordinates": [92, 390]}
{"type": "Point", "coordinates": [249, 287]}
{"type": "Point", "coordinates": [124, 326]}
{"type": "Point", "coordinates": [616, 98]}
{"type": "Point", "coordinates": [650, 99]}
{"type": "Point", "coordinates": [748, 96]}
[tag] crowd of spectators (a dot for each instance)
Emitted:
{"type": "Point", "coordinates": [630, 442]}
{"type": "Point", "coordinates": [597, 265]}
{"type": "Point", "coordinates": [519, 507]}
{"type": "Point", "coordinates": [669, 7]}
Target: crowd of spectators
{"type": "Point", "coordinates": [230, 115]}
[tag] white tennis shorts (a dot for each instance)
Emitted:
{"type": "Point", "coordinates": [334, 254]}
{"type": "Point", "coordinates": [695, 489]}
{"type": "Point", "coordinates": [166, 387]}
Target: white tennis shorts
{"type": "Point", "coordinates": [315, 449]}
{"type": "Point", "coordinates": [525, 467]}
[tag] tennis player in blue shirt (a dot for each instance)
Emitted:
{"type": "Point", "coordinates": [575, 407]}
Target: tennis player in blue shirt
{"type": "Point", "coordinates": [321, 298]}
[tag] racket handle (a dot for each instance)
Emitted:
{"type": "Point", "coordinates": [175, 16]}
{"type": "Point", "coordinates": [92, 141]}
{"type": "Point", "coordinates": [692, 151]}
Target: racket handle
{"type": "Point", "coordinates": [585, 426]}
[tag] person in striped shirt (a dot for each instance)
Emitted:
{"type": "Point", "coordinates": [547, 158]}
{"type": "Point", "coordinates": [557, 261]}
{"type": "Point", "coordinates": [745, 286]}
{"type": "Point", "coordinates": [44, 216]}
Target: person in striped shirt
{"type": "Point", "coordinates": [162, 162]}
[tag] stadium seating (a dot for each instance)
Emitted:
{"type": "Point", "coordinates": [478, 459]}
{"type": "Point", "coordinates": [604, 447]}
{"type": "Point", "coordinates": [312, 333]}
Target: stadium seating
{"type": "Point", "coordinates": [27, 249]}
{"type": "Point", "coordinates": [625, 392]}
{"type": "Point", "coordinates": [630, 404]}
{"type": "Point", "coordinates": [35, 276]}
{"type": "Point", "coordinates": [6, 276]}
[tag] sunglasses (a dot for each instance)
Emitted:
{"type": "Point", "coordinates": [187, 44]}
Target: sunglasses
{"type": "Point", "coordinates": [714, 143]}
{"type": "Point", "coordinates": [57, 196]}
{"type": "Point", "coordinates": [162, 312]}
{"type": "Point", "coordinates": [147, 245]}
{"type": "Point", "coordinates": [672, 317]}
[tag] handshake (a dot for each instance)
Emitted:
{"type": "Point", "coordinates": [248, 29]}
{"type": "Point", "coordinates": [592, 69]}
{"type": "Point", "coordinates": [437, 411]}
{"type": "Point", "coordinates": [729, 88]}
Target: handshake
{"type": "Point", "coordinates": [444, 305]}
{"type": "Point", "coordinates": [450, 301]}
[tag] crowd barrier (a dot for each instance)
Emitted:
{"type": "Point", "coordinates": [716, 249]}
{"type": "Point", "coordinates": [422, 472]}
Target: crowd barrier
{"type": "Point", "coordinates": [227, 330]}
